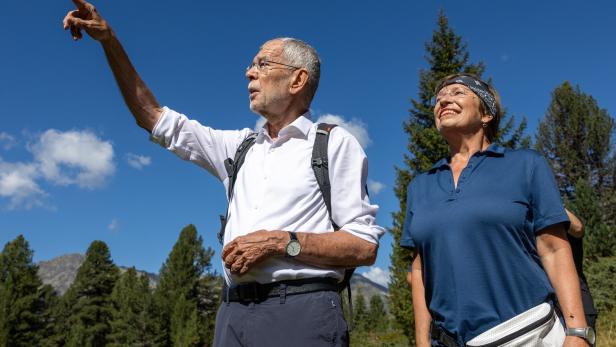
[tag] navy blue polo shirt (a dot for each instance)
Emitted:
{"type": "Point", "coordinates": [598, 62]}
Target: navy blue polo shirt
{"type": "Point", "coordinates": [477, 240]}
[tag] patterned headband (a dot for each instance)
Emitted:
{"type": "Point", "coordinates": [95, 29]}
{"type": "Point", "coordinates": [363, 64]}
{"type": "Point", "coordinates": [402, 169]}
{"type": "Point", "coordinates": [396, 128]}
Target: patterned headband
{"type": "Point", "coordinates": [479, 88]}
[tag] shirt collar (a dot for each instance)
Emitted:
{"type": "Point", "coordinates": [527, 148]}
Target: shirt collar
{"type": "Point", "coordinates": [494, 149]}
{"type": "Point", "coordinates": [301, 125]}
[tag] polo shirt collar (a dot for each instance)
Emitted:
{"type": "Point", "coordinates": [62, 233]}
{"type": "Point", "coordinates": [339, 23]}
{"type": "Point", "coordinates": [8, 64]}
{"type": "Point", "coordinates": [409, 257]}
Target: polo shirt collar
{"type": "Point", "coordinates": [494, 149]}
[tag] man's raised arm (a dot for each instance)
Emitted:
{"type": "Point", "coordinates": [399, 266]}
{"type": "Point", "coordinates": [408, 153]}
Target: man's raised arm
{"type": "Point", "coordinates": [138, 97]}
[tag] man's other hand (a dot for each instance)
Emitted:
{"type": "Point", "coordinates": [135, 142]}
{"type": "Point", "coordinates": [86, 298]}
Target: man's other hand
{"type": "Point", "coordinates": [87, 18]}
{"type": "Point", "coordinates": [241, 254]}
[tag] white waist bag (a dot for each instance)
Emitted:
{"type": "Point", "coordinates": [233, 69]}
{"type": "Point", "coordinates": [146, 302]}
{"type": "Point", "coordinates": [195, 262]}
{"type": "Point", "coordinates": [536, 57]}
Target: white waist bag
{"type": "Point", "coordinates": [538, 327]}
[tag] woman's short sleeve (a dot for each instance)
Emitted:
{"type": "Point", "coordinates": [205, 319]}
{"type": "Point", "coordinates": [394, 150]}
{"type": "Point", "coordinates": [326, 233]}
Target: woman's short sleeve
{"type": "Point", "coordinates": [406, 240]}
{"type": "Point", "coordinates": [547, 206]}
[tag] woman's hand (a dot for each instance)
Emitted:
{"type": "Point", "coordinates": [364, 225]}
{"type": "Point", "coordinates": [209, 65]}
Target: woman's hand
{"type": "Point", "coordinates": [575, 341]}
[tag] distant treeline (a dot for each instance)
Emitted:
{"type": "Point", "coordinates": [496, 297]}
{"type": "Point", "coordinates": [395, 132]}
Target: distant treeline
{"type": "Point", "coordinates": [104, 307]}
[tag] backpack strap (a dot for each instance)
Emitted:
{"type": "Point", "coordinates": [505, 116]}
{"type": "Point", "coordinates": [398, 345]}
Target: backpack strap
{"type": "Point", "coordinates": [320, 166]}
{"type": "Point", "coordinates": [233, 167]}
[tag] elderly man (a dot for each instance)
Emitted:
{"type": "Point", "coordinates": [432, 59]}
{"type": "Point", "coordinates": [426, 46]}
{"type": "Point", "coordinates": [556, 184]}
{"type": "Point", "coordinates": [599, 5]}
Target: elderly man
{"type": "Point", "coordinates": [281, 257]}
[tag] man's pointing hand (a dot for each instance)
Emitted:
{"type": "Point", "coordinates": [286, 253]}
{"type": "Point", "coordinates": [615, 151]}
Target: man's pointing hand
{"type": "Point", "coordinates": [87, 18]}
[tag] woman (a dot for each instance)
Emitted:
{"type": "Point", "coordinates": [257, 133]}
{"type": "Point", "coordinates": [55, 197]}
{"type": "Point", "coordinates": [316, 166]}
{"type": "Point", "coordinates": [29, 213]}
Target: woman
{"type": "Point", "coordinates": [487, 226]}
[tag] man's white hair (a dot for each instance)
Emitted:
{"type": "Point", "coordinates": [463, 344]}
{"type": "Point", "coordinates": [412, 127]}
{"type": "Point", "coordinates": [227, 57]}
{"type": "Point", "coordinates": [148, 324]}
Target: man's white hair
{"type": "Point", "coordinates": [300, 54]}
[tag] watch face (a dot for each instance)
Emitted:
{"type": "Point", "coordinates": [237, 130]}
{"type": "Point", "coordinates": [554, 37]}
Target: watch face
{"type": "Point", "coordinates": [590, 335]}
{"type": "Point", "coordinates": [293, 248]}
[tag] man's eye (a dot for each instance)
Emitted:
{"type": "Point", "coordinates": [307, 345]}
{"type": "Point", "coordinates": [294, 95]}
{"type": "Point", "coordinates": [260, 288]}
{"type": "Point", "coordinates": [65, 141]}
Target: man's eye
{"type": "Point", "coordinates": [458, 93]}
{"type": "Point", "coordinates": [262, 64]}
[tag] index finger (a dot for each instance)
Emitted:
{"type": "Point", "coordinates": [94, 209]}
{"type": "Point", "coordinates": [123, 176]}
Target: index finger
{"type": "Point", "coordinates": [81, 4]}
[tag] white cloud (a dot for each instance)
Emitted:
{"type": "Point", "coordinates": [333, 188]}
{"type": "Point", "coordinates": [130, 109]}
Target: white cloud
{"type": "Point", "coordinates": [375, 187]}
{"type": "Point", "coordinates": [63, 158]}
{"type": "Point", "coordinates": [356, 127]}
{"type": "Point", "coordinates": [18, 184]}
{"type": "Point", "coordinates": [114, 225]}
{"type": "Point", "coordinates": [7, 141]}
{"type": "Point", "coordinates": [138, 161]}
{"type": "Point", "coordinates": [73, 157]}
{"type": "Point", "coordinates": [377, 275]}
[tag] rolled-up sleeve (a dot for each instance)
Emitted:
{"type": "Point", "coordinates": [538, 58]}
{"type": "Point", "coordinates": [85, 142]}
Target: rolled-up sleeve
{"type": "Point", "coordinates": [348, 172]}
{"type": "Point", "coordinates": [199, 144]}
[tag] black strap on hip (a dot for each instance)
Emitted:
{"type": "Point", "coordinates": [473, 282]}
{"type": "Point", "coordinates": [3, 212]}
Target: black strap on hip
{"type": "Point", "coordinates": [442, 336]}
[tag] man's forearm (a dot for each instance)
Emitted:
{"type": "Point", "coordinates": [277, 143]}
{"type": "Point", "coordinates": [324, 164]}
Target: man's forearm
{"type": "Point", "coordinates": [337, 249]}
{"type": "Point", "coordinates": [138, 97]}
{"type": "Point", "coordinates": [332, 249]}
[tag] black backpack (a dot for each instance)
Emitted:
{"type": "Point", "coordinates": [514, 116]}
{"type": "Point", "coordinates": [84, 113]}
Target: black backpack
{"type": "Point", "coordinates": [321, 172]}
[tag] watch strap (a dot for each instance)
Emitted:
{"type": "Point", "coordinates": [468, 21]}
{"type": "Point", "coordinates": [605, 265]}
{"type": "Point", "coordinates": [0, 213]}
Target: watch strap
{"type": "Point", "coordinates": [293, 236]}
{"type": "Point", "coordinates": [587, 333]}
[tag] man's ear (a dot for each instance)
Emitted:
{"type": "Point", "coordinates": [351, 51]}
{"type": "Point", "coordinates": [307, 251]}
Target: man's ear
{"type": "Point", "coordinates": [299, 81]}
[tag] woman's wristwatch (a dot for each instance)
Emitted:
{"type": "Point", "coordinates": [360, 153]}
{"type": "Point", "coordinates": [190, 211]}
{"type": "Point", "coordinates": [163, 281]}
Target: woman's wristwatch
{"type": "Point", "coordinates": [587, 333]}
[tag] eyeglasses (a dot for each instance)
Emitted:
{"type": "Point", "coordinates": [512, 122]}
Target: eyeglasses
{"type": "Point", "coordinates": [456, 92]}
{"type": "Point", "coordinates": [264, 65]}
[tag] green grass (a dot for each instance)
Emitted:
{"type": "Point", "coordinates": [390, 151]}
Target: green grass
{"type": "Point", "coordinates": [606, 329]}
{"type": "Point", "coordinates": [606, 335]}
{"type": "Point", "coordinates": [390, 338]}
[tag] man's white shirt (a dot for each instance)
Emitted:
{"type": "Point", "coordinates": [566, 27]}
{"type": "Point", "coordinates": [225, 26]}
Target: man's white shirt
{"type": "Point", "coordinates": [276, 188]}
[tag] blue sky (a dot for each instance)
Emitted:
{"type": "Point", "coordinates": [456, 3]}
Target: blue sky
{"type": "Point", "coordinates": [74, 167]}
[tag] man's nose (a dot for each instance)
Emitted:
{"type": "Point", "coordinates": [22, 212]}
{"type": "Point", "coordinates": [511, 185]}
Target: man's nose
{"type": "Point", "coordinates": [251, 73]}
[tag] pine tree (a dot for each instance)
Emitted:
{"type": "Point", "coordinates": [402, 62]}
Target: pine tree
{"type": "Point", "coordinates": [185, 323]}
{"type": "Point", "coordinates": [446, 54]}
{"type": "Point", "coordinates": [360, 313]}
{"type": "Point", "coordinates": [47, 304]}
{"type": "Point", "coordinates": [377, 317]}
{"type": "Point", "coordinates": [131, 324]}
{"type": "Point", "coordinates": [209, 289]}
{"type": "Point", "coordinates": [575, 137]}
{"type": "Point", "coordinates": [89, 299]}
{"type": "Point", "coordinates": [187, 300]}
{"type": "Point", "coordinates": [600, 237]}
{"type": "Point", "coordinates": [24, 301]}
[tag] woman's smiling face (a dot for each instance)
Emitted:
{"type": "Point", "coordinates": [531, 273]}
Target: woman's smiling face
{"type": "Point", "coordinates": [457, 108]}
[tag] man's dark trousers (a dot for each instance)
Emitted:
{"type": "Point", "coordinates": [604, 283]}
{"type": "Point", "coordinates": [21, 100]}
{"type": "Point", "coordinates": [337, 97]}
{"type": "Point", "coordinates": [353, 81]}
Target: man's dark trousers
{"type": "Point", "coordinates": [310, 319]}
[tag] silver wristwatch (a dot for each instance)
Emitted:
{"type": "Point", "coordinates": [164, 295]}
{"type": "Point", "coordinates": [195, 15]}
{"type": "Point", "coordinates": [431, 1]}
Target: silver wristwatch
{"type": "Point", "coordinates": [587, 333]}
{"type": "Point", "coordinates": [293, 248]}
